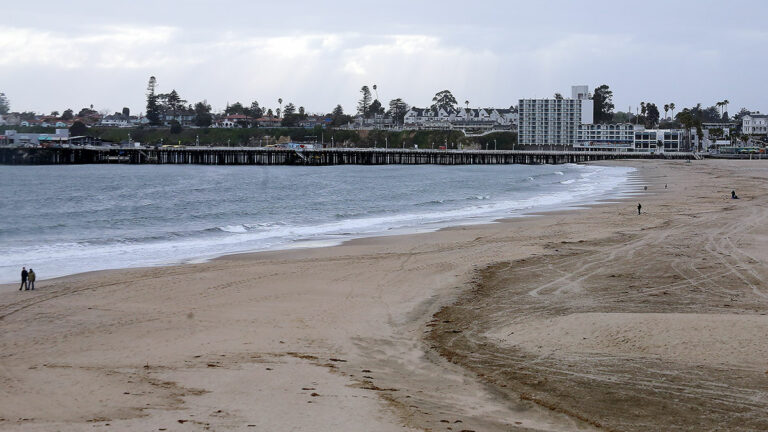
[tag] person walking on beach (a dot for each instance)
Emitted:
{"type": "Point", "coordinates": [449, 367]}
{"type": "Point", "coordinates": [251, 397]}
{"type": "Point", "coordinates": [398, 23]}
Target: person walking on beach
{"type": "Point", "coordinates": [639, 207]}
{"type": "Point", "coordinates": [31, 279]}
{"type": "Point", "coordinates": [24, 275]}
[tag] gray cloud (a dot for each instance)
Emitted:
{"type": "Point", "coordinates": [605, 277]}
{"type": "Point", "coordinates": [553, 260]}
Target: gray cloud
{"type": "Point", "coordinates": [318, 55]}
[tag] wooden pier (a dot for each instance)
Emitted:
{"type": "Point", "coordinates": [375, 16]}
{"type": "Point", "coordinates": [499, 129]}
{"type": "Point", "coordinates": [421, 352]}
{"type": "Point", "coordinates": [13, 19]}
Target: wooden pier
{"type": "Point", "coordinates": [318, 157]}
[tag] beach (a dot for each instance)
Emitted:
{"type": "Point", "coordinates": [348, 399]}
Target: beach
{"type": "Point", "coordinates": [589, 319]}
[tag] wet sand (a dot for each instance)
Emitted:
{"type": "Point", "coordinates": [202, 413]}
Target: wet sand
{"type": "Point", "coordinates": [581, 320]}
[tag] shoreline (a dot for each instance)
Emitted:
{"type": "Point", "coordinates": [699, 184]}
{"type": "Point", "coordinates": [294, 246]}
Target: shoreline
{"type": "Point", "coordinates": [627, 189]}
{"type": "Point", "coordinates": [343, 337]}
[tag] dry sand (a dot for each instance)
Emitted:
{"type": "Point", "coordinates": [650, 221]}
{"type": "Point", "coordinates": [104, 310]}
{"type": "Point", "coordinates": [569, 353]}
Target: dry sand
{"type": "Point", "coordinates": [582, 320]}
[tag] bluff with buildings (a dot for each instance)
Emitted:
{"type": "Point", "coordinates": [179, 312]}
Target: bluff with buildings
{"type": "Point", "coordinates": [556, 123]}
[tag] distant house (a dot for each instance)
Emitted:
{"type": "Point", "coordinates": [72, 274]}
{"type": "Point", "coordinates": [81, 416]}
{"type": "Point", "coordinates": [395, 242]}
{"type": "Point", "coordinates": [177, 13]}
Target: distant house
{"type": "Point", "coordinates": [184, 118]}
{"type": "Point", "coordinates": [234, 121]}
{"type": "Point", "coordinates": [427, 117]}
{"type": "Point", "coordinates": [268, 122]}
{"type": "Point", "coordinates": [314, 121]}
{"type": "Point", "coordinates": [115, 121]}
{"type": "Point", "coordinates": [754, 124]}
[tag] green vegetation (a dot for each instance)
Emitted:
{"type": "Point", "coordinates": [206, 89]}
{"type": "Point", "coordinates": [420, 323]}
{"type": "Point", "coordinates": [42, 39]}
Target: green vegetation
{"type": "Point", "coordinates": [602, 104]}
{"type": "Point", "coordinates": [444, 100]}
{"type": "Point", "coordinates": [5, 106]}
{"type": "Point", "coordinates": [78, 128]}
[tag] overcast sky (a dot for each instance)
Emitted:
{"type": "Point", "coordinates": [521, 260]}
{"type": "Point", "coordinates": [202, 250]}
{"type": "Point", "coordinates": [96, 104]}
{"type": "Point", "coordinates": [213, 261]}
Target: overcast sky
{"type": "Point", "coordinates": [56, 55]}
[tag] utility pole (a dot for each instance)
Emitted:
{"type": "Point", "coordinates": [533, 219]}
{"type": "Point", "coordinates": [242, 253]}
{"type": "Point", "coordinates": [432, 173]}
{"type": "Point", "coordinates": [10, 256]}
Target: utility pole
{"type": "Point", "coordinates": [494, 145]}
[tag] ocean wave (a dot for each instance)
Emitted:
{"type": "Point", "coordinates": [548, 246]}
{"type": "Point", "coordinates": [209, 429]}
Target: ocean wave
{"type": "Point", "coordinates": [229, 230]}
{"type": "Point", "coordinates": [234, 229]}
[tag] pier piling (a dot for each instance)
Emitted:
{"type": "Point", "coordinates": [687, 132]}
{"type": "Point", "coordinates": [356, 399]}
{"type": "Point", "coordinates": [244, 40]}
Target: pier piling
{"type": "Point", "coordinates": [307, 157]}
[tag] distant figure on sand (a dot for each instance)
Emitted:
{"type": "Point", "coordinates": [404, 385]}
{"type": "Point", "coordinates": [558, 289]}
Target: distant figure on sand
{"type": "Point", "coordinates": [639, 207]}
{"type": "Point", "coordinates": [31, 279]}
{"type": "Point", "coordinates": [733, 195]}
{"type": "Point", "coordinates": [24, 275]}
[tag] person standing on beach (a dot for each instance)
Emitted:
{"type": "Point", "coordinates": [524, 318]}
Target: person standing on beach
{"type": "Point", "coordinates": [24, 275]}
{"type": "Point", "coordinates": [639, 207]}
{"type": "Point", "coordinates": [31, 279]}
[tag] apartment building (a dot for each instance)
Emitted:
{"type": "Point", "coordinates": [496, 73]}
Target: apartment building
{"type": "Point", "coordinates": [605, 137]}
{"type": "Point", "coordinates": [554, 121]}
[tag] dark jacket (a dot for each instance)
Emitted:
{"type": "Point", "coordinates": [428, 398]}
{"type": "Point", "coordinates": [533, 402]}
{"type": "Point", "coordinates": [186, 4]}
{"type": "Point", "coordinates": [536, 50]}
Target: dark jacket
{"type": "Point", "coordinates": [24, 275]}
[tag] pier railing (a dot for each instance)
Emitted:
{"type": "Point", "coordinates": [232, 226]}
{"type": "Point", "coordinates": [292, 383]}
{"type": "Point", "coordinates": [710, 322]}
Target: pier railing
{"type": "Point", "coordinates": [325, 156]}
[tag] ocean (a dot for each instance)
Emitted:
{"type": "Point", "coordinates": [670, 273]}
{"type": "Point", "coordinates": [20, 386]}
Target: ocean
{"type": "Point", "coordinates": [62, 220]}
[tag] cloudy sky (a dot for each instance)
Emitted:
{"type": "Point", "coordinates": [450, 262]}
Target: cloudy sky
{"type": "Point", "coordinates": [56, 55]}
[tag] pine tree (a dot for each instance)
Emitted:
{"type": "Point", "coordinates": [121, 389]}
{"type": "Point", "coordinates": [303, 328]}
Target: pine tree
{"type": "Point", "coordinates": [153, 110]}
{"type": "Point", "coordinates": [365, 101]}
{"type": "Point", "coordinates": [5, 106]}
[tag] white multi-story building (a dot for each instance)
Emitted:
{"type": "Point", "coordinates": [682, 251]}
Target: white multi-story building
{"type": "Point", "coordinates": [754, 124]}
{"type": "Point", "coordinates": [659, 140]}
{"type": "Point", "coordinates": [629, 138]}
{"type": "Point", "coordinates": [554, 121]}
{"type": "Point", "coordinates": [607, 137]}
{"type": "Point", "coordinates": [460, 118]}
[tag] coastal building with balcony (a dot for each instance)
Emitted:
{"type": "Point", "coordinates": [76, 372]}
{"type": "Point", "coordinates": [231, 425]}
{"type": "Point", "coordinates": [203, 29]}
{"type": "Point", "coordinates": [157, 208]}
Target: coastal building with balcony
{"type": "Point", "coordinates": [554, 121]}
{"type": "Point", "coordinates": [625, 137]}
{"type": "Point", "coordinates": [659, 140]}
{"type": "Point", "coordinates": [754, 124]}
{"type": "Point", "coordinates": [462, 118]}
{"type": "Point", "coordinates": [605, 137]}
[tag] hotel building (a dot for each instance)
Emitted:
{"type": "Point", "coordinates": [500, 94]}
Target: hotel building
{"type": "Point", "coordinates": [554, 121]}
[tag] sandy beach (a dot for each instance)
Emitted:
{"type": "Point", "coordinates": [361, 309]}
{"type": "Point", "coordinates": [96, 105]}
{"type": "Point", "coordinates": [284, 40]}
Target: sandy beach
{"type": "Point", "coordinates": [591, 319]}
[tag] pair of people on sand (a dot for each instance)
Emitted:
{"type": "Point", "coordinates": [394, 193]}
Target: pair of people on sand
{"type": "Point", "coordinates": [27, 279]}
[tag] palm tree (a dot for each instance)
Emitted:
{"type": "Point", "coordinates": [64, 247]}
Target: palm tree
{"type": "Point", "coordinates": [280, 101]}
{"type": "Point", "coordinates": [745, 138]}
{"type": "Point", "coordinates": [666, 109]}
{"type": "Point", "coordinates": [725, 103]}
{"type": "Point", "coordinates": [686, 120]}
{"type": "Point", "coordinates": [377, 93]}
{"type": "Point", "coordinates": [672, 108]}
